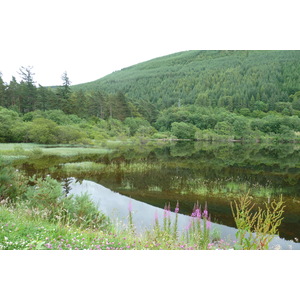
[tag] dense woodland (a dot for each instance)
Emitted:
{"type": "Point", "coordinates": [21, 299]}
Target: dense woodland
{"type": "Point", "coordinates": [205, 95]}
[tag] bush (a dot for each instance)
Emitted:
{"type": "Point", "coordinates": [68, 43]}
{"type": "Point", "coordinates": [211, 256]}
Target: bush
{"type": "Point", "coordinates": [45, 194]}
{"type": "Point", "coordinates": [46, 199]}
{"type": "Point", "coordinates": [43, 131]}
{"type": "Point", "coordinates": [85, 213]}
{"type": "Point", "coordinates": [68, 134]}
{"type": "Point", "coordinates": [183, 130]}
{"type": "Point", "coordinates": [12, 183]}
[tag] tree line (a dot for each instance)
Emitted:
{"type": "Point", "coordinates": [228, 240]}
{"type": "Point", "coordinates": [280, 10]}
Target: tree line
{"type": "Point", "coordinates": [32, 113]}
{"type": "Point", "coordinates": [26, 96]}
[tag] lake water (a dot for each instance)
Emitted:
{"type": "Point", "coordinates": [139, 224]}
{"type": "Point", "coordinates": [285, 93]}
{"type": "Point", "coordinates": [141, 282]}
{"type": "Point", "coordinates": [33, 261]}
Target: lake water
{"type": "Point", "coordinates": [207, 173]}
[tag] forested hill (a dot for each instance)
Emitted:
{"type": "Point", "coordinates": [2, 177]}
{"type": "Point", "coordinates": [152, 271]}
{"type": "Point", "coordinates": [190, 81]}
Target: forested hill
{"type": "Point", "coordinates": [256, 80]}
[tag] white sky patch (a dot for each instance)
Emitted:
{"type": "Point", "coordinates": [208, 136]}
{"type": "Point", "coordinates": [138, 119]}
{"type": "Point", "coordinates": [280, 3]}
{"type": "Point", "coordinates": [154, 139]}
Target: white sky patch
{"type": "Point", "coordinates": [90, 39]}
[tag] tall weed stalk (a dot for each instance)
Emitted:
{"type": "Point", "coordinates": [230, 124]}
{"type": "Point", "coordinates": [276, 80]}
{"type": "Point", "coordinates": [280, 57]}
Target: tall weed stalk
{"type": "Point", "coordinates": [256, 229]}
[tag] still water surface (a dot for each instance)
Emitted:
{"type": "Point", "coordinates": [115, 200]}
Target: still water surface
{"type": "Point", "coordinates": [188, 172]}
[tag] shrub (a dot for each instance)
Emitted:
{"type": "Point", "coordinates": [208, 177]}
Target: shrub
{"type": "Point", "coordinates": [45, 194]}
{"type": "Point", "coordinates": [43, 131]}
{"type": "Point", "coordinates": [183, 130]}
{"type": "Point", "coordinates": [12, 183]}
{"type": "Point", "coordinates": [46, 199]}
{"type": "Point", "coordinates": [86, 214]}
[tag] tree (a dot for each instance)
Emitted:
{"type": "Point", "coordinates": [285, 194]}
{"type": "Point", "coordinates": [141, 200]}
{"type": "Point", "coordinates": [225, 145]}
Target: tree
{"type": "Point", "coordinates": [28, 90]}
{"type": "Point", "coordinates": [223, 128]}
{"type": "Point", "coordinates": [97, 104]}
{"type": "Point", "coordinates": [183, 130]}
{"type": "Point", "coordinates": [296, 100]}
{"type": "Point", "coordinates": [2, 91]}
{"type": "Point", "coordinates": [64, 93]}
{"type": "Point", "coordinates": [8, 119]}
{"type": "Point", "coordinates": [43, 131]}
{"type": "Point", "coordinates": [46, 99]}
{"type": "Point", "coordinates": [13, 94]}
{"type": "Point", "coordinates": [241, 127]}
{"type": "Point", "coordinates": [135, 124]}
{"type": "Point", "coordinates": [65, 89]}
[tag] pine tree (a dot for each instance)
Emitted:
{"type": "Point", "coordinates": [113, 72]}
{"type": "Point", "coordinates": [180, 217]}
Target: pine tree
{"type": "Point", "coordinates": [64, 93]}
{"type": "Point", "coordinates": [2, 91]}
{"type": "Point", "coordinates": [28, 90]}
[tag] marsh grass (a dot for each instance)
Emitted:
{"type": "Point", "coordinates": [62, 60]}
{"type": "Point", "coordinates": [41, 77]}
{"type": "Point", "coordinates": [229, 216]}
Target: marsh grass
{"type": "Point", "coordinates": [93, 167]}
{"type": "Point", "coordinates": [225, 188]}
{"type": "Point", "coordinates": [85, 166]}
{"type": "Point", "coordinates": [30, 149]}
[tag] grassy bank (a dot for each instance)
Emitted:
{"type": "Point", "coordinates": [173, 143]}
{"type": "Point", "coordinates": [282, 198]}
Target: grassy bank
{"type": "Point", "coordinates": [20, 231]}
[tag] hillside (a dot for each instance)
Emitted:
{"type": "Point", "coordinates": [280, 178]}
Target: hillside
{"type": "Point", "coordinates": [230, 79]}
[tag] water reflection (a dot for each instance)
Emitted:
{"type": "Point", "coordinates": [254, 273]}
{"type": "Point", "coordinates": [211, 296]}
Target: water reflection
{"type": "Point", "coordinates": [188, 172]}
{"type": "Point", "coordinates": [116, 205]}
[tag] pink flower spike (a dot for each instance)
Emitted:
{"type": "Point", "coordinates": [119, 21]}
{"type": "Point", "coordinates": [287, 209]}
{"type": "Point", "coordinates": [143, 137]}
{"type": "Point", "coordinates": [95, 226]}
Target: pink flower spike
{"type": "Point", "coordinates": [208, 223]}
{"type": "Point", "coordinates": [130, 206]}
{"type": "Point", "coordinates": [177, 208]}
{"type": "Point", "coordinates": [188, 227]}
{"type": "Point", "coordinates": [168, 210]}
{"type": "Point", "coordinates": [156, 216]}
{"type": "Point", "coordinates": [165, 211]}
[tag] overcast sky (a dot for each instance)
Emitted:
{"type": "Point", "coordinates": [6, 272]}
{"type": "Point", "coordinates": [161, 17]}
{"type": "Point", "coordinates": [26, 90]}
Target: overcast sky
{"type": "Point", "coordinates": [90, 39]}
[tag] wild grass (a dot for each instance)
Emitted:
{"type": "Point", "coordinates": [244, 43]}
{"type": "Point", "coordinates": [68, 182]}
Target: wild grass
{"type": "Point", "coordinates": [20, 230]}
{"type": "Point", "coordinates": [89, 166]}
{"type": "Point", "coordinates": [26, 150]}
{"type": "Point", "coordinates": [225, 188]}
{"type": "Point", "coordinates": [85, 166]}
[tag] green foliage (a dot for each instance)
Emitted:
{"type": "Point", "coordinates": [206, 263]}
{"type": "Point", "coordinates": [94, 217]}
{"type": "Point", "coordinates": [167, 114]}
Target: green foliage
{"type": "Point", "coordinates": [47, 200]}
{"type": "Point", "coordinates": [256, 80]}
{"type": "Point", "coordinates": [248, 95]}
{"type": "Point", "coordinates": [83, 213]}
{"type": "Point", "coordinates": [183, 130]}
{"type": "Point", "coordinates": [13, 183]}
{"type": "Point", "coordinates": [135, 123]}
{"type": "Point", "coordinates": [223, 128]}
{"type": "Point", "coordinates": [43, 131]}
{"type": "Point", "coordinates": [241, 128]}
{"type": "Point", "coordinates": [256, 229]}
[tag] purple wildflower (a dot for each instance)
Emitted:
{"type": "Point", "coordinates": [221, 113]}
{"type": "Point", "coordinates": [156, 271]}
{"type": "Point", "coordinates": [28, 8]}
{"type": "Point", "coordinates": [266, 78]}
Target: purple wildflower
{"type": "Point", "coordinates": [130, 206]}
{"type": "Point", "coordinates": [165, 211]}
{"type": "Point", "coordinates": [208, 223]}
{"type": "Point", "coordinates": [156, 216]}
{"type": "Point", "coordinates": [198, 213]}
{"type": "Point", "coordinates": [168, 210]}
{"type": "Point", "coordinates": [205, 212]}
{"type": "Point", "coordinates": [177, 208]}
{"type": "Point", "coordinates": [194, 211]}
{"type": "Point", "coordinates": [188, 227]}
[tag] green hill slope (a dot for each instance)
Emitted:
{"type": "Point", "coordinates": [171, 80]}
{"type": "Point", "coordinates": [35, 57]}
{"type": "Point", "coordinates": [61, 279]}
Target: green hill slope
{"type": "Point", "coordinates": [230, 79]}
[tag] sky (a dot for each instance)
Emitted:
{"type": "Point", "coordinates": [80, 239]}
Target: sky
{"type": "Point", "coordinates": [90, 39]}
